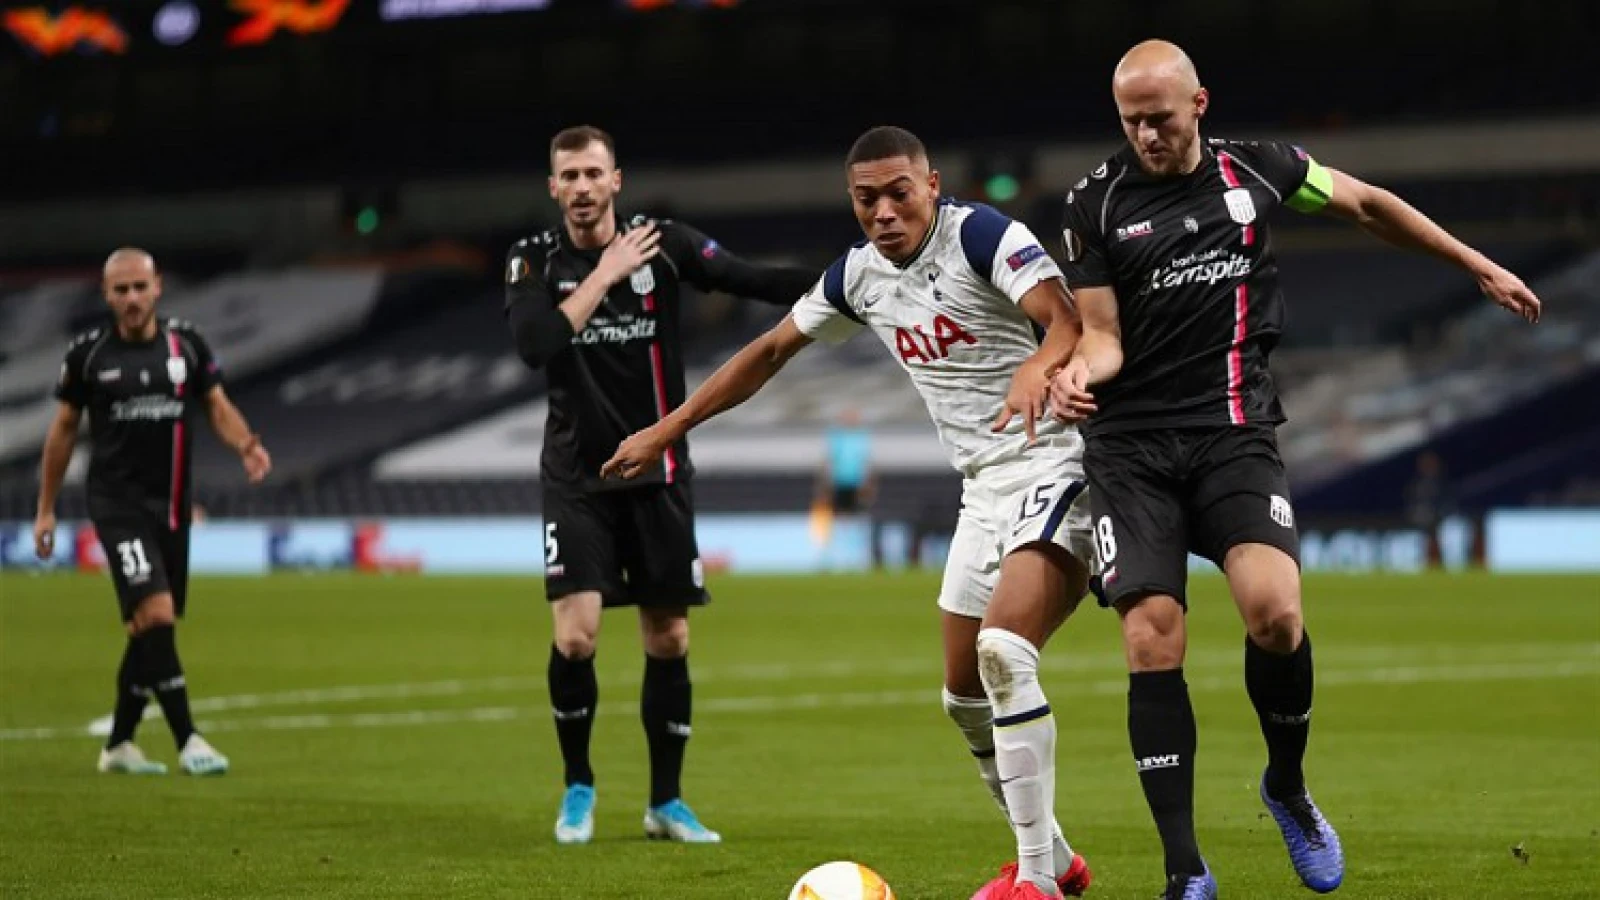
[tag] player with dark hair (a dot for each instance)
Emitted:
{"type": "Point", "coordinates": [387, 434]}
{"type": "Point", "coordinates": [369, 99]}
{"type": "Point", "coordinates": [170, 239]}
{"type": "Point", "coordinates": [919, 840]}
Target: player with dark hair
{"type": "Point", "coordinates": [142, 381]}
{"type": "Point", "coordinates": [595, 302]}
{"type": "Point", "coordinates": [1171, 262]}
{"type": "Point", "coordinates": [955, 291]}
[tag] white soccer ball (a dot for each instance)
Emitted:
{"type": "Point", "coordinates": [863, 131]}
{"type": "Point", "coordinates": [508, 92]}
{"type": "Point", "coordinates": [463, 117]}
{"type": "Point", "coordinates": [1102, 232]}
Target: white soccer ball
{"type": "Point", "coordinates": [841, 881]}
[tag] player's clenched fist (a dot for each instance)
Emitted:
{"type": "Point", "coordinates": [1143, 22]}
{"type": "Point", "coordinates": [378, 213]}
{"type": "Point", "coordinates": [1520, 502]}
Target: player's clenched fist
{"type": "Point", "coordinates": [638, 454]}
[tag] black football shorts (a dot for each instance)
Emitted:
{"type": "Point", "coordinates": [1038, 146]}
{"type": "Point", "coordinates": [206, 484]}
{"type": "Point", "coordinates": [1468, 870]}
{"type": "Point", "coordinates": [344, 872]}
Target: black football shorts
{"type": "Point", "coordinates": [636, 546]}
{"type": "Point", "coordinates": [145, 558]}
{"type": "Point", "coordinates": [1158, 495]}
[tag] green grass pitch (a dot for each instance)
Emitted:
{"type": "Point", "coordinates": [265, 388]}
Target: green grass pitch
{"type": "Point", "coordinates": [390, 738]}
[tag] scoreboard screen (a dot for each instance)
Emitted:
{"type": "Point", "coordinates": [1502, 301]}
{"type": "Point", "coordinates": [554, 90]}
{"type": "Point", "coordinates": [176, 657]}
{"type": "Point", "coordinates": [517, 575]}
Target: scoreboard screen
{"type": "Point", "coordinates": [45, 29]}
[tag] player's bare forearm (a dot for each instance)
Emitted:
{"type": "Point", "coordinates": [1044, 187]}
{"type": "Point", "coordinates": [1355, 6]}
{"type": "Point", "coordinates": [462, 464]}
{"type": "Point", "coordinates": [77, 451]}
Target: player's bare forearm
{"type": "Point", "coordinates": [1100, 347]}
{"type": "Point", "coordinates": [58, 444]}
{"type": "Point", "coordinates": [740, 378]}
{"type": "Point", "coordinates": [1049, 305]}
{"type": "Point", "coordinates": [581, 303]}
{"type": "Point", "coordinates": [1101, 351]}
{"type": "Point", "coordinates": [737, 381]}
{"type": "Point", "coordinates": [229, 423]}
{"type": "Point", "coordinates": [1389, 218]}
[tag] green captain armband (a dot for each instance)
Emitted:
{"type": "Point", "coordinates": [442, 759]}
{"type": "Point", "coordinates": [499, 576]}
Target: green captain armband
{"type": "Point", "coordinates": [1315, 193]}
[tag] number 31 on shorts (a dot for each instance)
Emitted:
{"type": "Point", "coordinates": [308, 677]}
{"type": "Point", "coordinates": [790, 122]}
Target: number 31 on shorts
{"type": "Point", "coordinates": [135, 565]}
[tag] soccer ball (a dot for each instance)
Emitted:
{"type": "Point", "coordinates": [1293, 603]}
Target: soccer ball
{"type": "Point", "coordinates": [841, 881]}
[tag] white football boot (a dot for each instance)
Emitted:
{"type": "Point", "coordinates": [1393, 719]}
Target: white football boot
{"type": "Point", "coordinates": [200, 758]}
{"type": "Point", "coordinates": [675, 821]}
{"type": "Point", "coordinates": [127, 759]}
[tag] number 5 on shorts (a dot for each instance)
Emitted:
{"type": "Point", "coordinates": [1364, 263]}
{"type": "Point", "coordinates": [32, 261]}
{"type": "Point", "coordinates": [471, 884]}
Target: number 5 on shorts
{"type": "Point", "coordinates": [1106, 539]}
{"type": "Point", "coordinates": [552, 547]}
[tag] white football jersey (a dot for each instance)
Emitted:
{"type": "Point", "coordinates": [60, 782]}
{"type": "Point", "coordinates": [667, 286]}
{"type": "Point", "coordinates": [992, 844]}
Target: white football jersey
{"type": "Point", "coordinates": [951, 316]}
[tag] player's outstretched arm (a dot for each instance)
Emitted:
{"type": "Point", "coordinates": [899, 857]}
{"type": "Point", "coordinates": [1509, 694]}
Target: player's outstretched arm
{"type": "Point", "coordinates": [233, 430]}
{"type": "Point", "coordinates": [735, 382]}
{"type": "Point", "coordinates": [1048, 304]}
{"type": "Point", "coordinates": [1392, 219]}
{"type": "Point", "coordinates": [58, 442]}
{"type": "Point", "coordinates": [709, 266]}
{"type": "Point", "coordinates": [1097, 359]}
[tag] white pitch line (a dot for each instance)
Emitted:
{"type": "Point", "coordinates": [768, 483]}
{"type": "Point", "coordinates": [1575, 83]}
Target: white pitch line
{"type": "Point", "coordinates": [1078, 662]}
{"type": "Point", "coordinates": [1459, 673]}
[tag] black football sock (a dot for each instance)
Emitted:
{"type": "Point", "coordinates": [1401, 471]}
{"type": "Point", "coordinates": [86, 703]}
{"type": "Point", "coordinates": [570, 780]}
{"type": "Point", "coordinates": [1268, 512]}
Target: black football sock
{"type": "Point", "coordinates": [1280, 686]}
{"type": "Point", "coordinates": [664, 706]}
{"type": "Point", "coordinates": [1162, 731]}
{"type": "Point", "coordinates": [131, 697]}
{"type": "Point", "coordinates": [164, 676]}
{"type": "Point", "coordinates": [574, 693]}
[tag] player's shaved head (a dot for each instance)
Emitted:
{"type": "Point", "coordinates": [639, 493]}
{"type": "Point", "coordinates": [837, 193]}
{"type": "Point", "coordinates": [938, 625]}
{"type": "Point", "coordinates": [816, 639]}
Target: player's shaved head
{"type": "Point", "coordinates": [132, 286]}
{"type": "Point", "coordinates": [1160, 102]}
{"type": "Point", "coordinates": [129, 258]}
{"type": "Point", "coordinates": [1163, 61]}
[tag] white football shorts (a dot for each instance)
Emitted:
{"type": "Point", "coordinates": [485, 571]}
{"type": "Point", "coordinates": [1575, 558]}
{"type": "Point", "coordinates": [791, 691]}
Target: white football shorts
{"type": "Point", "coordinates": [1042, 497]}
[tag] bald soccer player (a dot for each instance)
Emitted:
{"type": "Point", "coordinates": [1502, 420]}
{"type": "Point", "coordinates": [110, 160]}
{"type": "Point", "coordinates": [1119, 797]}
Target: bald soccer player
{"type": "Point", "coordinates": [142, 381]}
{"type": "Point", "coordinates": [1171, 262]}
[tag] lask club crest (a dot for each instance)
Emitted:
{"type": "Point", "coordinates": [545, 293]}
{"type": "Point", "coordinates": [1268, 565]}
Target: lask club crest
{"type": "Point", "coordinates": [643, 280]}
{"type": "Point", "coordinates": [177, 370]}
{"type": "Point", "coordinates": [1241, 208]}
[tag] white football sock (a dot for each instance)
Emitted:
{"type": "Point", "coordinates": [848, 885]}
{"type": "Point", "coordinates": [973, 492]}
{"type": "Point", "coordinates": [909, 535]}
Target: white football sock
{"type": "Point", "coordinates": [973, 717]}
{"type": "Point", "coordinates": [1025, 749]}
{"type": "Point", "coordinates": [975, 720]}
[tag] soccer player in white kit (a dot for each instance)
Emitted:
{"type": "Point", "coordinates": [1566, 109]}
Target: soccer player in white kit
{"type": "Point", "coordinates": [953, 291]}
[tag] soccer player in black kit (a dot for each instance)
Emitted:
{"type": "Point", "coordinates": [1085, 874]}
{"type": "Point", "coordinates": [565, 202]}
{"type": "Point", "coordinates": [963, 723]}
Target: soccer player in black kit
{"type": "Point", "coordinates": [595, 302]}
{"type": "Point", "coordinates": [143, 381]}
{"type": "Point", "coordinates": [1171, 263]}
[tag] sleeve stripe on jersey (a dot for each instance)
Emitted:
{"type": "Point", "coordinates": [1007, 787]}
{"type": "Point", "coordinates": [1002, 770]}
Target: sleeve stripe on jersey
{"type": "Point", "coordinates": [1315, 193]}
{"type": "Point", "coordinates": [981, 234]}
{"type": "Point", "coordinates": [1105, 202]}
{"type": "Point", "coordinates": [833, 289]}
{"type": "Point", "coordinates": [88, 358]}
{"type": "Point", "coordinates": [1241, 164]}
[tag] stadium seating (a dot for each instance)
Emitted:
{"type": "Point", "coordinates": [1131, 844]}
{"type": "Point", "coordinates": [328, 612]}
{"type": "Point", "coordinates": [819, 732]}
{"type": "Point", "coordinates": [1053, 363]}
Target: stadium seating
{"type": "Point", "coordinates": [1512, 409]}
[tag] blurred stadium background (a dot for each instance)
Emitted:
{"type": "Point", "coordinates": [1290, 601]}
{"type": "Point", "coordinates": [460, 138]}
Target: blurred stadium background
{"type": "Point", "coordinates": [330, 187]}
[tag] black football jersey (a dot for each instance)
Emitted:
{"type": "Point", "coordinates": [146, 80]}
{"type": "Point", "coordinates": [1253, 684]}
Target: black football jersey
{"type": "Point", "coordinates": [1196, 279]}
{"type": "Point", "coordinates": [623, 370]}
{"type": "Point", "coordinates": [143, 399]}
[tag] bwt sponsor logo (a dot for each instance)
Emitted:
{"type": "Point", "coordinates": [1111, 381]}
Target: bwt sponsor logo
{"type": "Point", "coordinates": [616, 331]}
{"type": "Point", "coordinates": [1165, 761]}
{"type": "Point", "coordinates": [1200, 268]}
{"type": "Point", "coordinates": [1137, 229]}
